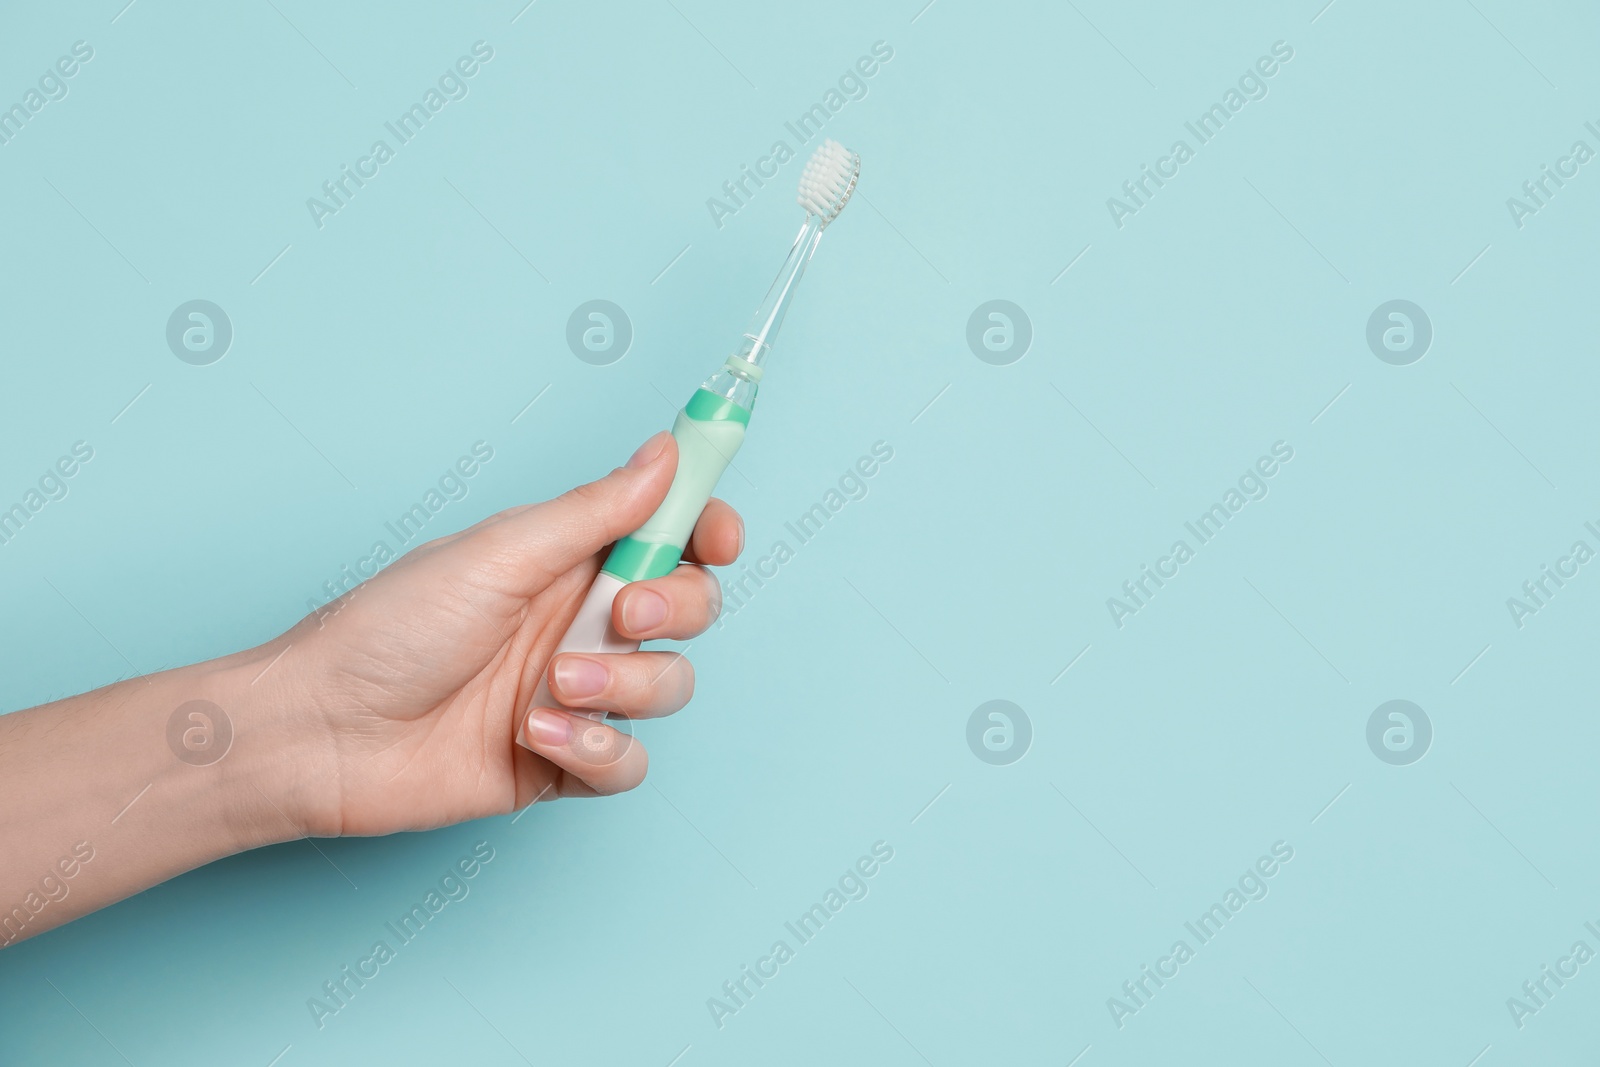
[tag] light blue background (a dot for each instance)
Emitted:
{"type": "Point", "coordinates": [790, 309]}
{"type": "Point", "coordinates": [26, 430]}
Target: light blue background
{"type": "Point", "coordinates": [1223, 317]}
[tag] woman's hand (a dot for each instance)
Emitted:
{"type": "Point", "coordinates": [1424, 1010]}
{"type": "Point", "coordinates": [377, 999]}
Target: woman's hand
{"type": "Point", "coordinates": [397, 707]}
{"type": "Point", "coordinates": [411, 694]}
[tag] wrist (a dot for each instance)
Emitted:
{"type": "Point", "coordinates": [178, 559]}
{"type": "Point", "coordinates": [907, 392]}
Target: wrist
{"type": "Point", "coordinates": [147, 778]}
{"type": "Point", "coordinates": [276, 775]}
{"type": "Point", "coordinates": [196, 741]}
{"type": "Point", "coordinates": [151, 777]}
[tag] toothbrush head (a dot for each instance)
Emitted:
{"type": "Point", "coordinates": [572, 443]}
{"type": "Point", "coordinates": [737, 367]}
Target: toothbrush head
{"type": "Point", "coordinates": [829, 179]}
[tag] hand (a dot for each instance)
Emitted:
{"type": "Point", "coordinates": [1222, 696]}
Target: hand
{"type": "Point", "coordinates": [398, 707]}
{"type": "Point", "coordinates": [410, 694]}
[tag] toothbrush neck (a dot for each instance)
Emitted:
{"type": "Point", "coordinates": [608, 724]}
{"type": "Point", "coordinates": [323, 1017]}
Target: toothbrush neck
{"type": "Point", "coordinates": [757, 341]}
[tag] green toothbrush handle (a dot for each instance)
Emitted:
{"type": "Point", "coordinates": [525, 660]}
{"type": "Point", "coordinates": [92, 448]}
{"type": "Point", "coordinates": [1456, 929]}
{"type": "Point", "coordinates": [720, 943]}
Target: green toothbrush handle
{"type": "Point", "coordinates": [709, 430]}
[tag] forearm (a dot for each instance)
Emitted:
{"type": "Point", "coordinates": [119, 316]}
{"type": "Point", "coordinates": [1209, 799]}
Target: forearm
{"type": "Point", "coordinates": [102, 795]}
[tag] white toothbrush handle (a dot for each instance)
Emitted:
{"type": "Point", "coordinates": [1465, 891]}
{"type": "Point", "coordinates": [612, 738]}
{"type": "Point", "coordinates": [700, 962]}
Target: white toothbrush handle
{"type": "Point", "coordinates": [591, 631]}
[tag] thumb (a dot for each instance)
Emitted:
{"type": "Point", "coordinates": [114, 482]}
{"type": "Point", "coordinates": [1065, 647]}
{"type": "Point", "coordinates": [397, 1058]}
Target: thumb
{"type": "Point", "coordinates": [540, 542]}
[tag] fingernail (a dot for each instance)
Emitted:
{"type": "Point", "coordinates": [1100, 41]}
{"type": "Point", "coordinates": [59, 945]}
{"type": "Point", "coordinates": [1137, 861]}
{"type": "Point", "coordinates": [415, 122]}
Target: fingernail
{"type": "Point", "coordinates": [579, 677]}
{"type": "Point", "coordinates": [644, 610]}
{"type": "Point", "coordinates": [648, 451]}
{"type": "Point", "coordinates": [549, 727]}
{"type": "Point", "coordinates": [739, 549]}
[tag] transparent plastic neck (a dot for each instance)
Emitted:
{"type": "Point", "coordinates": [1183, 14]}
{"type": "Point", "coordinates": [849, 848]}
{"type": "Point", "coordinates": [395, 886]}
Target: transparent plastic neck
{"type": "Point", "coordinates": [740, 377]}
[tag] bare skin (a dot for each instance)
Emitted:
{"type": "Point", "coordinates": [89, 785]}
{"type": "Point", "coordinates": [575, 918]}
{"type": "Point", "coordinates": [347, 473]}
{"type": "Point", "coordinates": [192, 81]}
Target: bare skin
{"type": "Point", "coordinates": [402, 706]}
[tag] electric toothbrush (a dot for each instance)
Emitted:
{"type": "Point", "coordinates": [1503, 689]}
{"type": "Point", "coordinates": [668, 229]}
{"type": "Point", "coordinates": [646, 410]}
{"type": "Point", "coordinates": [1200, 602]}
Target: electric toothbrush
{"type": "Point", "coordinates": [709, 429]}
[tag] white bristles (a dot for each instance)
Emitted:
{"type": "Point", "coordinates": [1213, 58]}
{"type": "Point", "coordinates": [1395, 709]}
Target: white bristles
{"type": "Point", "coordinates": [829, 179]}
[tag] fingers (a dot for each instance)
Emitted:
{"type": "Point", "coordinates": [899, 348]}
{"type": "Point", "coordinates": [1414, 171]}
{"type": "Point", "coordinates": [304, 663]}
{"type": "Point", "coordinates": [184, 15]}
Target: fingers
{"type": "Point", "coordinates": [718, 537]}
{"type": "Point", "coordinates": [538, 543]}
{"type": "Point", "coordinates": [639, 685]}
{"type": "Point", "coordinates": [598, 760]}
{"type": "Point", "coordinates": [675, 607]}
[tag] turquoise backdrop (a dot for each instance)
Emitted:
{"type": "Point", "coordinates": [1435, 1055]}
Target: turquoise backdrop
{"type": "Point", "coordinates": [1195, 345]}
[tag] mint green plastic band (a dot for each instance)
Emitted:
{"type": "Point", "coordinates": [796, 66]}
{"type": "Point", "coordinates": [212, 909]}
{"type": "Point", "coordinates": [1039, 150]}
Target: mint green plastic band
{"type": "Point", "coordinates": [709, 430]}
{"type": "Point", "coordinates": [634, 561]}
{"type": "Point", "coordinates": [706, 406]}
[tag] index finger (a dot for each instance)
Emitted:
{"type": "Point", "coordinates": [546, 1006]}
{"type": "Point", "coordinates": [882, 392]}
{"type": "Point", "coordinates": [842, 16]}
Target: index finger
{"type": "Point", "coordinates": [718, 537]}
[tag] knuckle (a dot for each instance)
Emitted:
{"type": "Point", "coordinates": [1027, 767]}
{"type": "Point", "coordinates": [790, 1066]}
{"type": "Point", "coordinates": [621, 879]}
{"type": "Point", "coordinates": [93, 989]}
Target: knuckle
{"type": "Point", "coordinates": [591, 502]}
{"type": "Point", "coordinates": [586, 493]}
{"type": "Point", "coordinates": [664, 684]}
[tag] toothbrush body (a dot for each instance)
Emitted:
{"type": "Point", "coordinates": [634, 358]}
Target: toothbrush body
{"type": "Point", "coordinates": [709, 429]}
